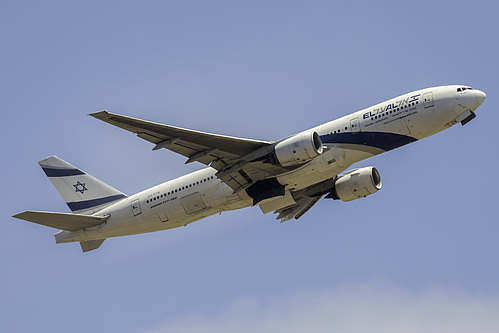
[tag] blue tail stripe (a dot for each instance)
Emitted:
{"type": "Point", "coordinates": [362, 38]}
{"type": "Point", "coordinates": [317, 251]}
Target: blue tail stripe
{"type": "Point", "coordinates": [80, 205]}
{"type": "Point", "coordinates": [53, 172]}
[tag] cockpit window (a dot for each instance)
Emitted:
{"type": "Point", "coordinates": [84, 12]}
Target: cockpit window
{"type": "Point", "coordinates": [464, 89]}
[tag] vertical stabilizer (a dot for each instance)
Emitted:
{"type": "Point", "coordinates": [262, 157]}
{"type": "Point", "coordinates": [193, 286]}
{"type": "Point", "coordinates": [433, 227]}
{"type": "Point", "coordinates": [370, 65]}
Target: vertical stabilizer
{"type": "Point", "coordinates": [83, 193]}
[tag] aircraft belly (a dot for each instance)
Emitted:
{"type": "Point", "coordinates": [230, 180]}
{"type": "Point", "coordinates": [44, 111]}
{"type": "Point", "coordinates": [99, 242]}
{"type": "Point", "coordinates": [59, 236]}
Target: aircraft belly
{"type": "Point", "coordinates": [325, 166]}
{"type": "Point", "coordinates": [168, 215]}
{"type": "Point", "coordinates": [192, 203]}
{"type": "Point", "coordinates": [223, 198]}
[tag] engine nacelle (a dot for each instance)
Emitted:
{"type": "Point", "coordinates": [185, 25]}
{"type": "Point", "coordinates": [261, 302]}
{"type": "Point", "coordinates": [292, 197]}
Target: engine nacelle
{"type": "Point", "coordinates": [298, 149]}
{"type": "Point", "coordinates": [356, 184]}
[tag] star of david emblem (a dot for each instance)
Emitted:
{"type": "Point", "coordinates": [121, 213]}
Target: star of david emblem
{"type": "Point", "coordinates": [80, 187]}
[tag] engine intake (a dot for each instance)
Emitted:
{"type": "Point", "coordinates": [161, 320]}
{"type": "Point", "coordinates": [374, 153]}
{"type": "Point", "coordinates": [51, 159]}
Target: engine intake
{"type": "Point", "coordinates": [298, 149]}
{"type": "Point", "coordinates": [356, 184]}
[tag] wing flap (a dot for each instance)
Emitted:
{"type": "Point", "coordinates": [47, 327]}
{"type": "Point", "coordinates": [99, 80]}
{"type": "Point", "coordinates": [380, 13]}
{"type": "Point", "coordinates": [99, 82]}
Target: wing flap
{"type": "Point", "coordinates": [64, 221]}
{"type": "Point", "coordinates": [297, 210]}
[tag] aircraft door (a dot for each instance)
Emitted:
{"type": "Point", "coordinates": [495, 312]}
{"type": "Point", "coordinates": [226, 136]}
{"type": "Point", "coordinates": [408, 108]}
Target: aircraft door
{"type": "Point", "coordinates": [428, 100]}
{"type": "Point", "coordinates": [136, 207]}
{"type": "Point", "coordinates": [354, 124]}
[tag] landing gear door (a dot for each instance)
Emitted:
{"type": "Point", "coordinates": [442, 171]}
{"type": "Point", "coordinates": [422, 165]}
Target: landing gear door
{"type": "Point", "coordinates": [136, 207]}
{"type": "Point", "coordinates": [428, 100]}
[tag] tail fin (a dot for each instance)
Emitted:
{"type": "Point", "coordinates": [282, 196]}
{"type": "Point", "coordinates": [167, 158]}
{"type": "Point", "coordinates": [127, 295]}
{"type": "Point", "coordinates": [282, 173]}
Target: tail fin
{"type": "Point", "coordinates": [83, 193]}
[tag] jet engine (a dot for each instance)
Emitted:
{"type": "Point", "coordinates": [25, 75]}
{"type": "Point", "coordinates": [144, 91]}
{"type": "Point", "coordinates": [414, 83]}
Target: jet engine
{"type": "Point", "coordinates": [298, 149]}
{"type": "Point", "coordinates": [356, 184]}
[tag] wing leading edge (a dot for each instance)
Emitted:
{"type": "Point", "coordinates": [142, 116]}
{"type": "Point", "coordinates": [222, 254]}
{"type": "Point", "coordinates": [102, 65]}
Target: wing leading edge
{"type": "Point", "coordinates": [195, 145]}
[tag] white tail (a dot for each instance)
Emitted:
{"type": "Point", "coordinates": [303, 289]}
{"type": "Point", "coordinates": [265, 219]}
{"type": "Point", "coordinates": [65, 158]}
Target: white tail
{"type": "Point", "coordinates": [83, 193]}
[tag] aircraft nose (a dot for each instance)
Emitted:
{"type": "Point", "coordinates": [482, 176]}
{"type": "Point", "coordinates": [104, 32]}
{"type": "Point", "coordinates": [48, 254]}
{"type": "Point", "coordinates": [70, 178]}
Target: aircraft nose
{"type": "Point", "coordinates": [480, 96]}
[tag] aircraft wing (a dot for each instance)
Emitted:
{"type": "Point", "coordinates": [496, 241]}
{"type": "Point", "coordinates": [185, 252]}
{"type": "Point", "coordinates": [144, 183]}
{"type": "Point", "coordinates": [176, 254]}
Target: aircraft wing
{"type": "Point", "coordinates": [304, 200]}
{"type": "Point", "coordinates": [239, 161]}
{"type": "Point", "coordinates": [297, 210]}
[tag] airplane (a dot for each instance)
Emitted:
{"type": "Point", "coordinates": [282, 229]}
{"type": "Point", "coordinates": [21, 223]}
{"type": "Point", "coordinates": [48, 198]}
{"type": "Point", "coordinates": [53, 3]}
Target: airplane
{"type": "Point", "coordinates": [286, 177]}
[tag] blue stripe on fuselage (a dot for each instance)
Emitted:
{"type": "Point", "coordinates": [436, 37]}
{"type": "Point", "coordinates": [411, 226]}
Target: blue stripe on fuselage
{"type": "Point", "coordinates": [80, 205]}
{"type": "Point", "coordinates": [385, 141]}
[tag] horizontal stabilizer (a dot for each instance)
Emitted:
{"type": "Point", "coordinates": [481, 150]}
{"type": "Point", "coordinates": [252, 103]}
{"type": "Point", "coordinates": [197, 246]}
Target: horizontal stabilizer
{"type": "Point", "coordinates": [64, 221]}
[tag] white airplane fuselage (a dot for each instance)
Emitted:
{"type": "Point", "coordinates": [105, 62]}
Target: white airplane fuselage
{"type": "Point", "coordinates": [346, 141]}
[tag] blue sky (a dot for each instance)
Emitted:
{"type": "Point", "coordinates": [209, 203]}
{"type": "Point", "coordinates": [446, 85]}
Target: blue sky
{"type": "Point", "coordinates": [419, 255]}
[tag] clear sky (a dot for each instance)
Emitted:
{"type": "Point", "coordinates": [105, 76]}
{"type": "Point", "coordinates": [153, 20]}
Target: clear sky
{"type": "Point", "coordinates": [418, 256]}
